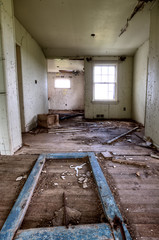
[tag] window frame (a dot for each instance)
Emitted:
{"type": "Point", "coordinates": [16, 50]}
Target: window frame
{"type": "Point", "coordinates": [105, 63]}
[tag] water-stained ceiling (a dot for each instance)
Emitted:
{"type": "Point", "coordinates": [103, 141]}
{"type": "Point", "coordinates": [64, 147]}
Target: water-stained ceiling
{"type": "Point", "coordinates": [64, 27]}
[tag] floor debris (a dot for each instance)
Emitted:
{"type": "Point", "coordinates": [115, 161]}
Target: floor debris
{"type": "Point", "coordinates": [56, 184]}
{"type": "Point", "coordinates": [85, 185]}
{"type": "Point", "coordinates": [73, 217]}
{"type": "Point", "coordinates": [154, 156]}
{"type": "Point", "coordinates": [138, 174]}
{"type": "Point", "coordinates": [63, 177]}
{"type": "Point", "coordinates": [107, 155]}
{"type": "Point", "coordinates": [88, 173]}
{"type": "Point", "coordinates": [77, 168]}
{"type": "Point", "coordinates": [21, 177]}
{"type": "Point", "coordinates": [122, 135]}
{"type": "Point", "coordinates": [133, 163]}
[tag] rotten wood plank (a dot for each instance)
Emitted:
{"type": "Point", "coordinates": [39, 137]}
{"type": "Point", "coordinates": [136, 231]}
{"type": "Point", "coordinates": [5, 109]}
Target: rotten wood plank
{"type": "Point", "coordinates": [132, 163]}
{"type": "Point", "coordinates": [122, 135]}
{"type": "Point", "coordinates": [87, 232]}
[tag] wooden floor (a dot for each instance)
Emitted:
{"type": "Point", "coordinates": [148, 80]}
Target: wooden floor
{"type": "Point", "coordinates": [136, 188]}
{"type": "Point", "coordinates": [46, 207]}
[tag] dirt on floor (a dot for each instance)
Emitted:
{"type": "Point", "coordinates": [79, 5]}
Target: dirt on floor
{"type": "Point", "coordinates": [64, 196]}
{"type": "Point", "coordinates": [132, 171]}
{"type": "Point", "coordinates": [132, 174]}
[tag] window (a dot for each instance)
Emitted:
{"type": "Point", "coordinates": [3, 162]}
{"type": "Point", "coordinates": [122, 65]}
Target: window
{"type": "Point", "coordinates": [62, 83]}
{"type": "Point", "coordinates": [105, 82]}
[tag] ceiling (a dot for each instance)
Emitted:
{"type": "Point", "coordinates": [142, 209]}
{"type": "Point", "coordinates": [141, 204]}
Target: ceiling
{"type": "Point", "coordinates": [64, 27]}
{"type": "Point", "coordinates": [55, 65]}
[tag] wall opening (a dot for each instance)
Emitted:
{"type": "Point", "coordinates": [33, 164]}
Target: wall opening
{"type": "Point", "coordinates": [20, 86]}
{"type": "Point", "coordinates": [62, 83]}
{"type": "Point", "coordinates": [65, 85]}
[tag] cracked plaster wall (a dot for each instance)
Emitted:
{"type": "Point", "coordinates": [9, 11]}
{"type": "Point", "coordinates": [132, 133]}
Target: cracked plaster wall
{"type": "Point", "coordinates": [10, 129]}
{"type": "Point", "coordinates": [66, 99]}
{"type": "Point", "coordinates": [140, 82]}
{"type": "Point", "coordinates": [34, 77]}
{"type": "Point", "coordinates": [152, 109]}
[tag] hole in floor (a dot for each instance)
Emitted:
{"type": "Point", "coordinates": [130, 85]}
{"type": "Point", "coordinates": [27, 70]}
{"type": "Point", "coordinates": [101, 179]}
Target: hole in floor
{"type": "Point", "coordinates": [64, 196]}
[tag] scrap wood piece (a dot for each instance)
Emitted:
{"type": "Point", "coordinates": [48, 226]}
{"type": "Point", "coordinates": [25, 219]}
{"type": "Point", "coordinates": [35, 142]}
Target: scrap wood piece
{"type": "Point", "coordinates": [67, 116]}
{"type": "Point", "coordinates": [122, 135]}
{"type": "Point", "coordinates": [107, 155]}
{"type": "Point", "coordinates": [154, 156]}
{"type": "Point", "coordinates": [133, 163]}
{"type": "Point", "coordinates": [25, 145]}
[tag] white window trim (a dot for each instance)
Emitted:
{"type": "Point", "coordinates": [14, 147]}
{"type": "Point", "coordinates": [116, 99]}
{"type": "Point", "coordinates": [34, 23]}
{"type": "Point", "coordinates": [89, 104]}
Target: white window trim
{"type": "Point", "coordinates": [100, 63]}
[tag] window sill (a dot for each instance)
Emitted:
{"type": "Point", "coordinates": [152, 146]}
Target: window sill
{"type": "Point", "coordinates": [104, 102]}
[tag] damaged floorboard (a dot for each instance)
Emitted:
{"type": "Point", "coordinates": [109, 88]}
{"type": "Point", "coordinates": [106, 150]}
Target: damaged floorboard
{"type": "Point", "coordinates": [57, 178]}
{"type": "Point", "coordinates": [136, 194]}
{"type": "Point", "coordinates": [79, 135]}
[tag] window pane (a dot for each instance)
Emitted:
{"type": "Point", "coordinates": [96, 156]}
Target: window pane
{"type": "Point", "coordinates": [100, 92]}
{"type": "Point", "coordinates": [105, 70]}
{"type": "Point", "coordinates": [62, 83]}
{"type": "Point", "coordinates": [97, 70]}
{"type": "Point", "coordinates": [98, 78]}
{"type": "Point", "coordinates": [104, 91]}
{"type": "Point", "coordinates": [104, 78]}
{"type": "Point", "coordinates": [111, 78]}
{"type": "Point", "coordinates": [105, 73]}
{"type": "Point", "coordinates": [112, 70]}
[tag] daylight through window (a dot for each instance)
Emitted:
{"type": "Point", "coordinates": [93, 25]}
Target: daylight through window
{"type": "Point", "coordinates": [105, 82]}
{"type": "Point", "coordinates": [62, 83]}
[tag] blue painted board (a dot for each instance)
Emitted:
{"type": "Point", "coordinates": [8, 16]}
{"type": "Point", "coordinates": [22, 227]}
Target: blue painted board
{"type": "Point", "coordinates": [108, 202]}
{"type": "Point", "coordinates": [19, 209]}
{"type": "Point", "coordinates": [82, 232]}
{"type": "Point", "coordinates": [85, 232]}
{"type": "Point", "coordinates": [66, 155]}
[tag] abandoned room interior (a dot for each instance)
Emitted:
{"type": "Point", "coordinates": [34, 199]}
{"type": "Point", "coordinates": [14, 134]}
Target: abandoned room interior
{"type": "Point", "coordinates": [79, 119]}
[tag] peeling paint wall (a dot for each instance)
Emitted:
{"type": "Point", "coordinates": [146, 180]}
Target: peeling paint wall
{"type": "Point", "coordinates": [140, 82]}
{"type": "Point", "coordinates": [34, 77]}
{"type": "Point", "coordinates": [114, 110]}
{"type": "Point", "coordinates": [66, 99]}
{"type": "Point", "coordinates": [10, 129]}
{"type": "Point", "coordinates": [152, 109]}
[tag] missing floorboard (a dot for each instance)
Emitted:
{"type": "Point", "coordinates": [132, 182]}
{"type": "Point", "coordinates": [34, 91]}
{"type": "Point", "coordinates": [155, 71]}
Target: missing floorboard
{"type": "Point", "coordinates": [59, 176]}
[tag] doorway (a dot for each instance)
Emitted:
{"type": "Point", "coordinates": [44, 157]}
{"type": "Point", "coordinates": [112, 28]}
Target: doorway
{"type": "Point", "coordinates": [20, 86]}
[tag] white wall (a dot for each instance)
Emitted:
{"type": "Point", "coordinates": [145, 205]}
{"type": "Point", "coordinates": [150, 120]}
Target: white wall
{"type": "Point", "coordinates": [152, 109]}
{"type": "Point", "coordinates": [35, 96]}
{"type": "Point", "coordinates": [140, 82]}
{"type": "Point", "coordinates": [66, 99]}
{"type": "Point", "coordinates": [10, 129]}
{"type": "Point", "coordinates": [114, 110]}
